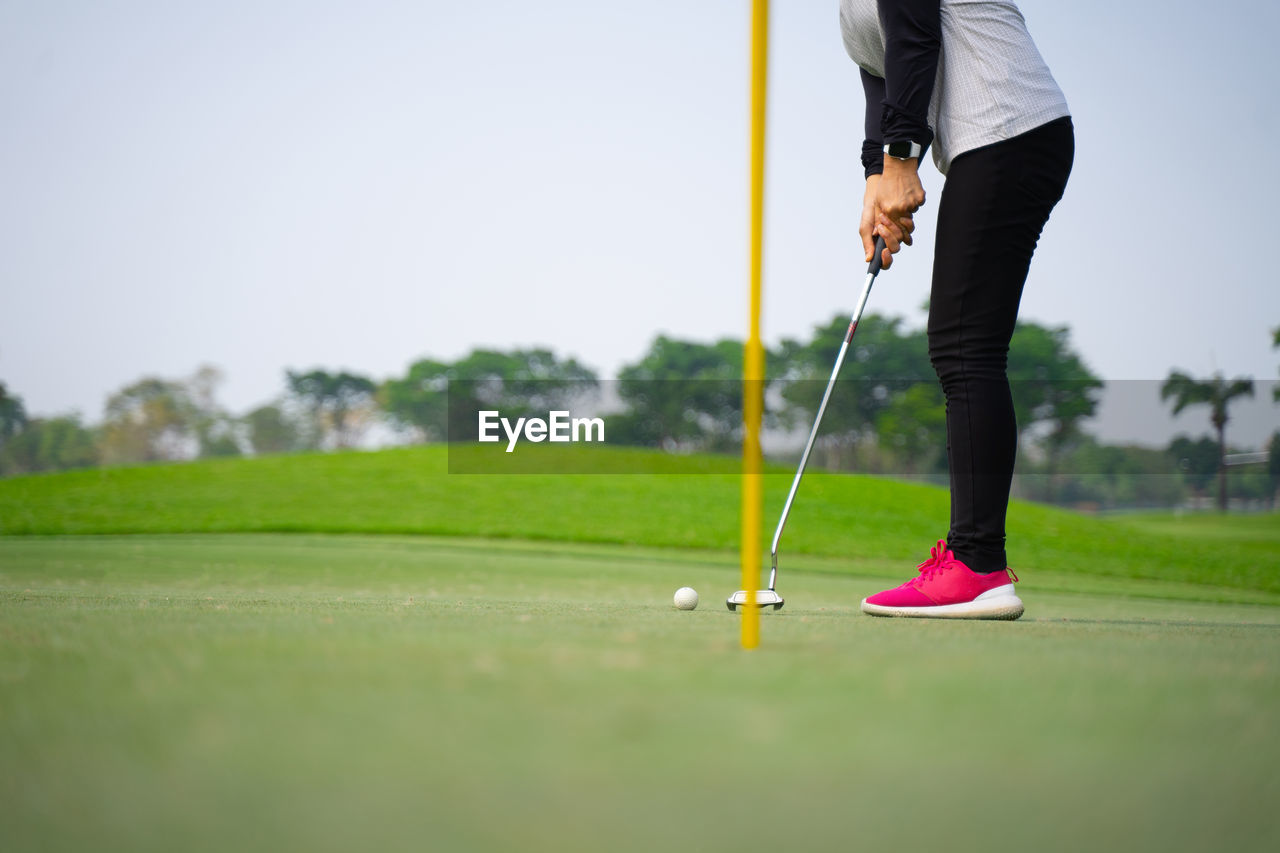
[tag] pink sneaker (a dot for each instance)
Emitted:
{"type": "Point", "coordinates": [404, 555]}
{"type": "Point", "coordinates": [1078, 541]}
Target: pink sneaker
{"type": "Point", "coordinates": [947, 589]}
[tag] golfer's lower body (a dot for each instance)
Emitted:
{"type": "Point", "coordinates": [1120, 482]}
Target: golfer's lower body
{"type": "Point", "coordinates": [995, 203]}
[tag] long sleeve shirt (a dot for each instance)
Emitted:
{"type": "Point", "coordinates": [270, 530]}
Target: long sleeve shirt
{"type": "Point", "coordinates": [898, 103]}
{"type": "Point", "coordinates": [956, 73]}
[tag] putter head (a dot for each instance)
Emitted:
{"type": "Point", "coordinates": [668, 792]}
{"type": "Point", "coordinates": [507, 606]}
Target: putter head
{"type": "Point", "coordinates": [764, 598]}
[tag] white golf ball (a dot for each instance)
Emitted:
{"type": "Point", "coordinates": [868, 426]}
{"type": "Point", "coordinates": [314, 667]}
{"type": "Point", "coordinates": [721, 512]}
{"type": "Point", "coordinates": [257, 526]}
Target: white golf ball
{"type": "Point", "coordinates": [686, 598]}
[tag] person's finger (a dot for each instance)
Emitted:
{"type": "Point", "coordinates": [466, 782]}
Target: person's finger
{"type": "Point", "coordinates": [892, 238]}
{"type": "Point", "coordinates": [891, 231]}
{"type": "Point", "coordinates": [903, 226]}
{"type": "Point", "coordinates": [908, 226]}
{"type": "Point", "coordinates": [867, 229]}
{"type": "Point", "coordinates": [867, 232]}
{"type": "Point", "coordinates": [888, 227]}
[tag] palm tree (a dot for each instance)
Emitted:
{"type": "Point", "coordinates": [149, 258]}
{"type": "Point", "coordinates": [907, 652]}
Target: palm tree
{"type": "Point", "coordinates": [1275, 344]}
{"type": "Point", "coordinates": [1217, 393]}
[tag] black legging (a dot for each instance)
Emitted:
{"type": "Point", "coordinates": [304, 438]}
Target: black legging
{"type": "Point", "coordinates": [995, 202]}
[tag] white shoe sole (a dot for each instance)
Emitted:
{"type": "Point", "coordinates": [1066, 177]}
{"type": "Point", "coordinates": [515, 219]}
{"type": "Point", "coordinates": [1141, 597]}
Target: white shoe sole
{"type": "Point", "coordinates": [998, 603]}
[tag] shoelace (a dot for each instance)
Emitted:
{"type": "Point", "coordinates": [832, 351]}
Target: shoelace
{"type": "Point", "coordinates": [939, 560]}
{"type": "Point", "coordinates": [939, 557]}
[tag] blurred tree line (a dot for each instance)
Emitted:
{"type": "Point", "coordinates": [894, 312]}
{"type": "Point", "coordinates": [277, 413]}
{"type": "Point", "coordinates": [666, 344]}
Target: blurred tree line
{"type": "Point", "coordinates": [886, 415]}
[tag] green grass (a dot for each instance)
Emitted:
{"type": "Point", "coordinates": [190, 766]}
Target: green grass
{"type": "Point", "coordinates": [408, 491]}
{"type": "Point", "coordinates": [310, 692]}
{"type": "Point", "coordinates": [363, 651]}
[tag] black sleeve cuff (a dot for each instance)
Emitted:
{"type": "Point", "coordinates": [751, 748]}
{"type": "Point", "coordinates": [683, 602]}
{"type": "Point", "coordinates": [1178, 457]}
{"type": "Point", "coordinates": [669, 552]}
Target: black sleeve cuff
{"type": "Point", "coordinates": [872, 157]}
{"type": "Point", "coordinates": [897, 126]}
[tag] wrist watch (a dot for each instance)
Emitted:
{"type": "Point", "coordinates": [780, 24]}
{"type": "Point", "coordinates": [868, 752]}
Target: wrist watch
{"type": "Point", "coordinates": [903, 150]}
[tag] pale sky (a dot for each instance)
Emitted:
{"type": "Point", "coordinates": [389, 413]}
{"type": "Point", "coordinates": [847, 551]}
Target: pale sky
{"type": "Point", "coordinates": [265, 185]}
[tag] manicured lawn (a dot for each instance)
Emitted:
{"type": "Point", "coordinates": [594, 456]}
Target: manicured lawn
{"type": "Point", "coordinates": [321, 692]}
{"type": "Point", "coordinates": [409, 490]}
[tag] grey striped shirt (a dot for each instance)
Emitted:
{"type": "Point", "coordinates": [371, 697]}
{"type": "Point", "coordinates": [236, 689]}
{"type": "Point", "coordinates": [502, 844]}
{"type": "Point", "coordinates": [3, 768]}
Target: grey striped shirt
{"type": "Point", "coordinates": [992, 83]}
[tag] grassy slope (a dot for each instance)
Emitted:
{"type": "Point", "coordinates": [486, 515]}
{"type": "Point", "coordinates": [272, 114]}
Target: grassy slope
{"type": "Point", "coordinates": [273, 692]}
{"type": "Point", "coordinates": [410, 491]}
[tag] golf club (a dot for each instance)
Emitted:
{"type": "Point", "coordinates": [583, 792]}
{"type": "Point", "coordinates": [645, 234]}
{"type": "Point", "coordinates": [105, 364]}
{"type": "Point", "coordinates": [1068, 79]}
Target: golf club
{"type": "Point", "coordinates": [769, 597]}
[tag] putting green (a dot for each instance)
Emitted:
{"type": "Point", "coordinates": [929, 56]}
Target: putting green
{"type": "Point", "coordinates": [357, 692]}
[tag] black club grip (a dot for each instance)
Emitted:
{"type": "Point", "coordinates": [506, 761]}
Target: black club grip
{"type": "Point", "coordinates": [877, 257]}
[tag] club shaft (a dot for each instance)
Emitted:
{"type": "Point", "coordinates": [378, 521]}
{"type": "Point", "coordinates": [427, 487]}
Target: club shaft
{"type": "Point", "coordinates": [817, 421]}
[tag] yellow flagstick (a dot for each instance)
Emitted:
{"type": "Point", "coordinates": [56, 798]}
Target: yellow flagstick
{"type": "Point", "coordinates": [753, 358]}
